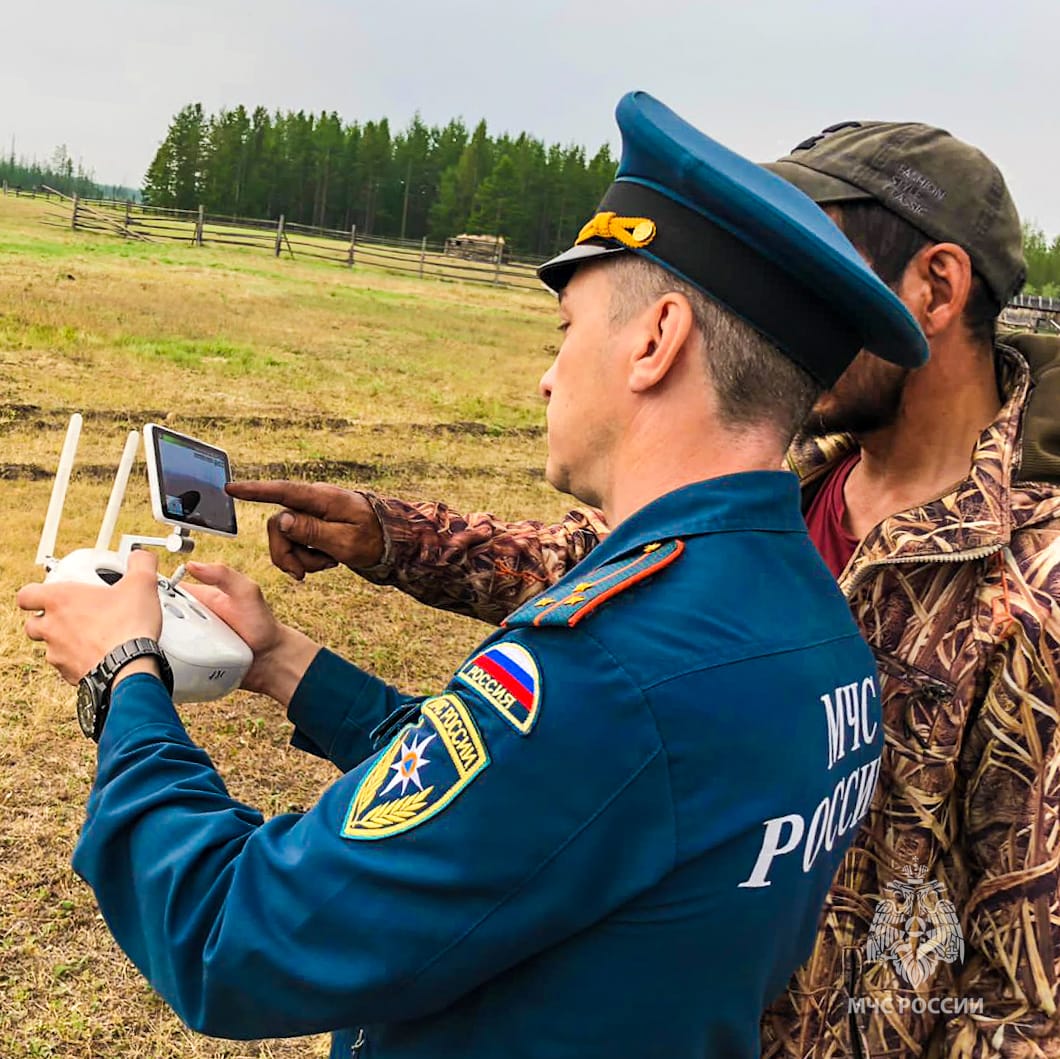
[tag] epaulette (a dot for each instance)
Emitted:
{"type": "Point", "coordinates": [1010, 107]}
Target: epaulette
{"type": "Point", "coordinates": [599, 585]}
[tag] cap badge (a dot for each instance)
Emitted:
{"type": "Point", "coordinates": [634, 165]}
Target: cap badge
{"type": "Point", "coordinates": [633, 232]}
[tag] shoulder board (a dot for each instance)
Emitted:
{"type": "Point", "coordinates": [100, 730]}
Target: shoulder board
{"type": "Point", "coordinates": [581, 599]}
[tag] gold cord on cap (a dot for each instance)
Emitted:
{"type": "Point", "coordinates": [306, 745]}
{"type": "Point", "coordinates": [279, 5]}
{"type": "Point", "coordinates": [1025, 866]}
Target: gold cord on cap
{"type": "Point", "coordinates": [633, 232]}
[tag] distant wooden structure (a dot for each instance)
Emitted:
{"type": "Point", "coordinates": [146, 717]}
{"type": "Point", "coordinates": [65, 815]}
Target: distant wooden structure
{"type": "Point", "coordinates": [1033, 312]}
{"type": "Point", "coordinates": [477, 247]}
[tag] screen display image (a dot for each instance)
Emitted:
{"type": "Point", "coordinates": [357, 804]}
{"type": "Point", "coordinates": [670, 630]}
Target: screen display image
{"type": "Point", "coordinates": [192, 476]}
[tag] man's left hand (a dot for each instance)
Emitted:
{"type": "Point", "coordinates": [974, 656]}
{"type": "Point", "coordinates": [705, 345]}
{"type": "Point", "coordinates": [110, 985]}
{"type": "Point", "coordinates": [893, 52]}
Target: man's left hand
{"type": "Point", "coordinates": [81, 623]}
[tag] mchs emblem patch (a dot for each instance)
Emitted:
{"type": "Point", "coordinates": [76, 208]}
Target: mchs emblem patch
{"type": "Point", "coordinates": [422, 770]}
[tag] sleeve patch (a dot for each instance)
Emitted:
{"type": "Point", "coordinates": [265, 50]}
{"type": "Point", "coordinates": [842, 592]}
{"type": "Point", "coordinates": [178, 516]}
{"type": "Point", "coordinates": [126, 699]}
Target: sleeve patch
{"type": "Point", "coordinates": [569, 602]}
{"type": "Point", "coordinates": [422, 770]}
{"type": "Point", "coordinates": [507, 676]}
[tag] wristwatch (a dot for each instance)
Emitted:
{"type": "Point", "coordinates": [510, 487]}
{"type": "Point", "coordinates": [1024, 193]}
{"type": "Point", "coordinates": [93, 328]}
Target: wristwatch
{"type": "Point", "coordinates": [93, 691]}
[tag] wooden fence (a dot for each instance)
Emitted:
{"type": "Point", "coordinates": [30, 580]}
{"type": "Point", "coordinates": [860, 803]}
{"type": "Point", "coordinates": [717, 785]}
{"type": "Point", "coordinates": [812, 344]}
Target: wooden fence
{"type": "Point", "coordinates": [151, 224]}
{"type": "Point", "coordinates": [1036, 301]}
{"type": "Point", "coordinates": [1033, 312]}
{"type": "Point", "coordinates": [20, 192]}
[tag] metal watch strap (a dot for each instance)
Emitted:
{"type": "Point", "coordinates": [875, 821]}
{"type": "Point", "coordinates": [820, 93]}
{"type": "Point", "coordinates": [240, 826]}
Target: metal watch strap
{"type": "Point", "coordinates": [140, 647]}
{"type": "Point", "coordinates": [93, 693]}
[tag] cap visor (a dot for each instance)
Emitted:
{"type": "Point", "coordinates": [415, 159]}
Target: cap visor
{"type": "Point", "coordinates": [556, 273]}
{"type": "Point", "coordinates": [820, 187]}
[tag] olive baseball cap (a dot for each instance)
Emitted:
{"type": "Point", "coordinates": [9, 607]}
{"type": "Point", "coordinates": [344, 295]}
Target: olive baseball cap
{"type": "Point", "coordinates": [942, 186]}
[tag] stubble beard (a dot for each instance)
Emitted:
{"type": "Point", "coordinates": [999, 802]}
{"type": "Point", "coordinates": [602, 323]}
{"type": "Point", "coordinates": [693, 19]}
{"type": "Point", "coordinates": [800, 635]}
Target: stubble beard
{"type": "Point", "coordinates": [866, 399]}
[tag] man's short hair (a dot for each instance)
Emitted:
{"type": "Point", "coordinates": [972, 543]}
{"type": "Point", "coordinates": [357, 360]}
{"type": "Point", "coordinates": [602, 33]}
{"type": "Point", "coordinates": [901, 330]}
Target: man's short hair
{"type": "Point", "coordinates": [756, 384]}
{"type": "Point", "coordinates": [890, 242]}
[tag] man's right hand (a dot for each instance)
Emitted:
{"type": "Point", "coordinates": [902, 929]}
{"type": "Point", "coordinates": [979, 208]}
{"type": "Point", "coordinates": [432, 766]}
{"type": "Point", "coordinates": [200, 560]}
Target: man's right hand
{"type": "Point", "coordinates": [321, 526]}
{"type": "Point", "coordinates": [281, 654]}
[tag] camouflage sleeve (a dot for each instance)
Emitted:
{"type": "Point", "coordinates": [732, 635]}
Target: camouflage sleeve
{"type": "Point", "coordinates": [1011, 816]}
{"type": "Point", "coordinates": [476, 564]}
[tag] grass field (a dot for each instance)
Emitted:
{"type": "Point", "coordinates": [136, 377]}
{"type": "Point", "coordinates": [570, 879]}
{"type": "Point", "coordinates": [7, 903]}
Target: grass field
{"type": "Point", "coordinates": [423, 388]}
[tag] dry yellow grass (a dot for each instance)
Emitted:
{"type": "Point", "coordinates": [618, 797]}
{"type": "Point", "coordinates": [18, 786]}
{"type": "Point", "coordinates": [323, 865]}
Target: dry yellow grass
{"type": "Point", "coordinates": [314, 370]}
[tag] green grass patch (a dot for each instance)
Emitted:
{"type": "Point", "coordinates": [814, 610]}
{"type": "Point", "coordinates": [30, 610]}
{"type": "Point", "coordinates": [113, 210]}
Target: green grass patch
{"type": "Point", "coordinates": [16, 332]}
{"type": "Point", "coordinates": [200, 354]}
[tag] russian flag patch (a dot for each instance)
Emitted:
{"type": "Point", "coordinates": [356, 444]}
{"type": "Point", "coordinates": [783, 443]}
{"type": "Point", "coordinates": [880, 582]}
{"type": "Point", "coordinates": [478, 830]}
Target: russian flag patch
{"type": "Point", "coordinates": [506, 676]}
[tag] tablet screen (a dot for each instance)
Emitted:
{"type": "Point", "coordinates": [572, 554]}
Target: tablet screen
{"type": "Point", "coordinates": [191, 480]}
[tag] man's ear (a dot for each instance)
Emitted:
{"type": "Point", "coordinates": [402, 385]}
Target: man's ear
{"type": "Point", "coordinates": [667, 327]}
{"type": "Point", "coordinates": [936, 285]}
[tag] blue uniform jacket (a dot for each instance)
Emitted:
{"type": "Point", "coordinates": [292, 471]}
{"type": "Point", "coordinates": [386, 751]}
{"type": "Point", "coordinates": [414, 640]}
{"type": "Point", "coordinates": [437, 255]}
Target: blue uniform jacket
{"type": "Point", "coordinates": [611, 835]}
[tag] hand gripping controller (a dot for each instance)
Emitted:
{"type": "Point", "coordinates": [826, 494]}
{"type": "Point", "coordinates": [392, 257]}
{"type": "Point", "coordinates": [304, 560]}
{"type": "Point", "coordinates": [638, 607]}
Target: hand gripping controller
{"type": "Point", "coordinates": [208, 659]}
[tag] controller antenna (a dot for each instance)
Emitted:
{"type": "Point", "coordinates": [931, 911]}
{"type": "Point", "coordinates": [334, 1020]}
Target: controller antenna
{"type": "Point", "coordinates": [46, 548]}
{"type": "Point", "coordinates": [117, 492]}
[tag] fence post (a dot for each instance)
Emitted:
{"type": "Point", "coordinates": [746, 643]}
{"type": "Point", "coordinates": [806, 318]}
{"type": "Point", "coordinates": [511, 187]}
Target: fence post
{"type": "Point", "coordinates": [128, 206]}
{"type": "Point", "coordinates": [497, 260]}
{"type": "Point", "coordinates": [279, 235]}
{"type": "Point", "coordinates": [423, 254]}
{"type": "Point", "coordinates": [5, 189]}
{"type": "Point", "coordinates": [73, 215]}
{"type": "Point", "coordinates": [353, 246]}
{"type": "Point", "coordinates": [199, 225]}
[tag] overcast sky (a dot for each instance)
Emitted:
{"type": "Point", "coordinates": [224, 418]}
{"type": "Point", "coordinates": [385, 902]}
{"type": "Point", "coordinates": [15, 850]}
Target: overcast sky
{"type": "Point", "coordinates": [106, 77]}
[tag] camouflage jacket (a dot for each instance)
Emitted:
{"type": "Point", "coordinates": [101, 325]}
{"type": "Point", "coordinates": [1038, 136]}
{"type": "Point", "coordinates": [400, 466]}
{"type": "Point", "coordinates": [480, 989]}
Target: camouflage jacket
{"type": "Point", "coordinates": [941, 935]}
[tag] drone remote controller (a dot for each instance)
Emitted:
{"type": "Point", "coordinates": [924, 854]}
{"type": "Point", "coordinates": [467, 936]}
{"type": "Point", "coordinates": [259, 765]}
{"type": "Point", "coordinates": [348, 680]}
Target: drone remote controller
{"type": "Point", "coordinates": [208, 659]}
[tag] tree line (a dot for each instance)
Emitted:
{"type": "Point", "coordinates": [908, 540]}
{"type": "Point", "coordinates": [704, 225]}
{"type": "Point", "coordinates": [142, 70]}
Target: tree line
{"type": "Point", "coordinates": [434, 181]}
{"type": "Point", "coordinates": [59, 172]}
{"type": "Point", "coordinates": [1043, 262]}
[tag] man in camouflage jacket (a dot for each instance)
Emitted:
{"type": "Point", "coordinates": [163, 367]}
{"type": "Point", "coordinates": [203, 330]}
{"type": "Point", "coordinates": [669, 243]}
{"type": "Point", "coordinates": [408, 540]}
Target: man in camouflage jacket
{"type": "Point", "coordinates": [941, 936]}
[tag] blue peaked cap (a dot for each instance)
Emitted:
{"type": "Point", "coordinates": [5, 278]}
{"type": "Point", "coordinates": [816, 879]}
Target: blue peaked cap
{"type": "Point", "coordinates": [745, 237]}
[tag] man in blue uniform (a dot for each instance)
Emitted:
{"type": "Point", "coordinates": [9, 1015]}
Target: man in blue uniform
{"type": "Point", "coordinates": [613, 830]}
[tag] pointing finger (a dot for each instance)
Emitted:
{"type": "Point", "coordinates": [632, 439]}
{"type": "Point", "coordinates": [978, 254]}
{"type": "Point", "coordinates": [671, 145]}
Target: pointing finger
{"type": "Point", "coordinates": [300, 496]}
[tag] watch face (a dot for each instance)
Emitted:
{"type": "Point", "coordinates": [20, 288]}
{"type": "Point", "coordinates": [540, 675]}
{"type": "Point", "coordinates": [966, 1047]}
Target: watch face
{"type": "Point", "coordinates": [87, 706]}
